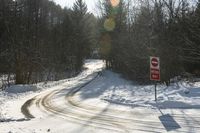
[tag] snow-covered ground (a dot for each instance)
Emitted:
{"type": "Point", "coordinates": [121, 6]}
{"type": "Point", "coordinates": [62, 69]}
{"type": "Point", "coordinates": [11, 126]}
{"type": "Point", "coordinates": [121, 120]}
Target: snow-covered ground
{"type": "Point", "coordinates": [99, 101]}
{"type": "Point", "coordinates": [112, 88]}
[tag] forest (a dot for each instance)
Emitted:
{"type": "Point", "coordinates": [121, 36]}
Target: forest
{"type": "Point", "coordinates": [40, 41]}
{"type": "Point", "coordinates": [135, 30]}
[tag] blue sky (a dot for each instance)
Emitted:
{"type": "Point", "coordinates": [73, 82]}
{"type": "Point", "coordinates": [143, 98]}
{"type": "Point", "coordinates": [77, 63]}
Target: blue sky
{"type": "Point", "coordinates": [69, 3]}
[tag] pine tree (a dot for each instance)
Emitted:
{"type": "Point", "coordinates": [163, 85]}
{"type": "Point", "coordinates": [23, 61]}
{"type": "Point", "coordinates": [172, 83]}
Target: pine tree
{"type": "Point", "coordinates": [81, 41]}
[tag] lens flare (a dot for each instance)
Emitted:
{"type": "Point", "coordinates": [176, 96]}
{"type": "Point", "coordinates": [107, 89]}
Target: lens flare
{"type": "Point", "coordinates": [105, 43]}
{"type": "Point", "coordinates": [114, 11]}
{"type": "Point", "coordinates": [114, 3]}
{"type": "Point", "coordinates": [109, 24]}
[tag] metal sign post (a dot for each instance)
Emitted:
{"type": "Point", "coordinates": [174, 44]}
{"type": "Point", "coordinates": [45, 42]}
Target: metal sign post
{"type": "Point", "coordinates": [155, 92]}
{"type": "Point", "coordinates": [155, 72]}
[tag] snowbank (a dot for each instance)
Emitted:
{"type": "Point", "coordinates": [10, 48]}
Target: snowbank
{"type": "Point", "coordinates": [112, 88]}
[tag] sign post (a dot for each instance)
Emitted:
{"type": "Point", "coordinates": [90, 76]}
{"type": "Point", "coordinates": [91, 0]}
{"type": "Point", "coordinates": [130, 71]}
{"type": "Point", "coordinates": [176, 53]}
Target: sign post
{"type": "Point", "coordinates": [155, 71]}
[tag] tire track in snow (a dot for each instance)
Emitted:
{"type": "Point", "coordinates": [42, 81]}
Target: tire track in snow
{"type": "Point", "coordinates": [25, 110]}
{"type": "Point", "coordinates": [101, 120]}
{"type": "Point", "coordinates": [87, 115]}
{"type": "Point", "coordinates": [45, 102]}
{"type": "Point", "coordinates": [179, 117]}
{"type": "Point", "coordinates": [97, 122]}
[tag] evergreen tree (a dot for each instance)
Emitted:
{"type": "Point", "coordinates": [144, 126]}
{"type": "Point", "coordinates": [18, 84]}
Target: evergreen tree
{"type": "Point", "coordinates": [80, 34]}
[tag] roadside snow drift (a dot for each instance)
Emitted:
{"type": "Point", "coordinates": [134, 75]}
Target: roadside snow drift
{"type": "Point", "coordinates": [112, 88]}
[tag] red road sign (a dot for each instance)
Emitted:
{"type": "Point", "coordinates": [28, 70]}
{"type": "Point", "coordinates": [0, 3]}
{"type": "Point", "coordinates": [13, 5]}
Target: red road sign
{"type": "Point", "coordinates": [155, 68]}
{"type": "Point", "coordinates": [154, 62]}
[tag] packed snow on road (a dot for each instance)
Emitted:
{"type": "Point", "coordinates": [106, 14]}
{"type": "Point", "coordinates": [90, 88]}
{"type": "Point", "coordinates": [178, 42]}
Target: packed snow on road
{"type": "Point", "coordinates": [99, 100]}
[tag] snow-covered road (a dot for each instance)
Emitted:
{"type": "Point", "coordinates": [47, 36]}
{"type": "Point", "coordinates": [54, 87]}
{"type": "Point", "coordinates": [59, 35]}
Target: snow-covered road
{"type": "Point", "coordinates": [100, 101]}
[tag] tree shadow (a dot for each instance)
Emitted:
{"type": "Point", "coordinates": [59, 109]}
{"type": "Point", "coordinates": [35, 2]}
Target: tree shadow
{"type": "Point", "coordinates": [168, 121]}
{"type": "Point", "coordinates": [103, 83]}
{"type": "Point", "coordinates": [192, 91]}
{"type": "Point", "coordinates": [109, 81]}
{"type": "Point", "coordinates": [91, 120]}
{"type": "Point", "coordinates": [99, 86]}
{"type": "Point", "coordinates": [97, 116]}
{"type": "Point", "coordinates": [14, 120]}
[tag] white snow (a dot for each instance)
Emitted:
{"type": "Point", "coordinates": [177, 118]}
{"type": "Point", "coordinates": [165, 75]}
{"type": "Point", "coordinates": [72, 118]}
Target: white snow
{"type": "Point", "coordinates": [107, 104]}
{"type": "Point", "coordinates": [114, 89]}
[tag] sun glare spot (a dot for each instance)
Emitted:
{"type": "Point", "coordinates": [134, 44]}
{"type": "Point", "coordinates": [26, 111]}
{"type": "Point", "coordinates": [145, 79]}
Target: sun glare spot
{"type": "Point", "coordinates": [105, 43]}
{"type": "Point", "coordinates": [114, 3]}
{"type": "Point", "coordinates": [109, 24]}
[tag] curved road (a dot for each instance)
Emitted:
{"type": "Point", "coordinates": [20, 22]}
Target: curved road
{"type": "Point", "coordinates": [63, 103]}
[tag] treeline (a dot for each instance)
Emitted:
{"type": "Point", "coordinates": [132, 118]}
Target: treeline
{"type": "Point", "coordinates": [134, 30]}
{"type": "Point", "coordinates": [41, 41]}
